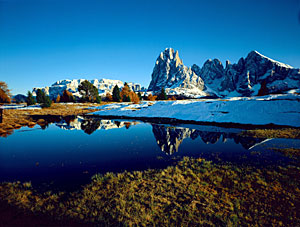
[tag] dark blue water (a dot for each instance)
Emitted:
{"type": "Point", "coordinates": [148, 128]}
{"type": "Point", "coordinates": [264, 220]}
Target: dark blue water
{"type": "Point", "coordinates": [65, 155]}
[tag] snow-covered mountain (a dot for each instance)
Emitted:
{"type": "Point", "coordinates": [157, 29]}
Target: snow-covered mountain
{"type": "Point", "coordinates": [170, 72]}
{"type": "Point", "coordinates": [103, 85]}
{"type": "Point", "coordinates": [256, 74]}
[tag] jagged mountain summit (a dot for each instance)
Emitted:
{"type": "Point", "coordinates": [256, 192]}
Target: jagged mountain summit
{"type": "Point", "coordinates": [103, 85]}
{"type": "Point", "coordinates": [170, 72]}
{"type": "Point", "coordinates": [254, 75]}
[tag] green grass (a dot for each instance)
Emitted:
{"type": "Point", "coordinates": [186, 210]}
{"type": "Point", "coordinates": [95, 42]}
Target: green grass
{"type": "Point", "coordinates": [195, 192]}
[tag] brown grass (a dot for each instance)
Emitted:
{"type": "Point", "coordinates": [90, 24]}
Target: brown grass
{"type": "Point", "coordinates": [193, 193]}
{"type": "Point", "coordinates": [14, 119]}
{"type": "Point", "coordinates": [290, 133]}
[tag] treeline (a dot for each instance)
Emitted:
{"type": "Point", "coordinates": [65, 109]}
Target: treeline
{"type": "Point", "coordinates": [88, 91]}
{"type": "Point", "coordinates": [125, 95]}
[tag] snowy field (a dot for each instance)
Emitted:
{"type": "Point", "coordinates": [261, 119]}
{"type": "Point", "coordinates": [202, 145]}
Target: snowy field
{"type": "Point", "coordinates": [20, 107]}
{"type": "Point", "coordinates": [275, 109]}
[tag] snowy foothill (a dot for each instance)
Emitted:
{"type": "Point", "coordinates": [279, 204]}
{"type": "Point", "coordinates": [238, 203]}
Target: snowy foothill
{"type": "Point", "coordinates": [271, 109]}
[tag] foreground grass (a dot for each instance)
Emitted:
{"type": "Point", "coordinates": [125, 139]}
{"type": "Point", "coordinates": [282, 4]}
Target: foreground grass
{"type": "Point", "coordinates": [289, 152]}
{"type": "Point", "coordinates": [289, 133]}
{"type": "Point", "coordinates": [195, 192]}
{"type": "Point", "coordinates": [17, 118]}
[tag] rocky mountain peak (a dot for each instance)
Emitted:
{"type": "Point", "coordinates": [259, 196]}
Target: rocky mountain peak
{"type": "Point", "coordinates": [253, 75]}
{"type": "Point", "coordinates": [170, 72]}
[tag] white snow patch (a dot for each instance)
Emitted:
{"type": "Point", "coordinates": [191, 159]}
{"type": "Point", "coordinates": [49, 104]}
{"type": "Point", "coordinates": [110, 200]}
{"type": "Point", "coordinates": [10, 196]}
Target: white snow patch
{"type": "Point", "coordinates": [278, 109]}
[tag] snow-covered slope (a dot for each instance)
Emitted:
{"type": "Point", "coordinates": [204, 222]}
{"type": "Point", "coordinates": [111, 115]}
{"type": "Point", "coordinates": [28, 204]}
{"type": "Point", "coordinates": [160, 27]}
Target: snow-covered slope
{"type": "Point", "coordinates": [103, 85]}
{"type": "Point", "coordinates": [276, 109]}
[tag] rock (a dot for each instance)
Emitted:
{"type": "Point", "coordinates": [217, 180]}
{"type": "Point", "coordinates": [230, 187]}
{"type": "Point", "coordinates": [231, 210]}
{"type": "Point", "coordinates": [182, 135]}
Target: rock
{"type": "Point", "coordinates": [256, 74]}
{"type": "Point", "coordinates": [256, 69]}
{"type": "Point", "coordinates": [170, 73]}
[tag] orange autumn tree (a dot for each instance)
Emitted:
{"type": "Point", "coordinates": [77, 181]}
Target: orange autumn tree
{"type": "Point", "coordinates": [151, 97]}
{"type": "Point", "coordinates": [57, 99]}
{"type": "Point", "coordinates": [67, 97]}
{"type": "Point", "coordinates": [109, 97]}
{"type": "Point", "coordinates": [5, 96]}
{"type": "Point", "coordinates": [129, 96]}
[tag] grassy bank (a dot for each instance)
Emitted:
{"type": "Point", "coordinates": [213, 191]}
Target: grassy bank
{"type": "Point", "coordinates": [288, 133]}
{"type": "Point", "coordinates": [17, 118]}
{"type": "Point", "coordinates": [195, 192]}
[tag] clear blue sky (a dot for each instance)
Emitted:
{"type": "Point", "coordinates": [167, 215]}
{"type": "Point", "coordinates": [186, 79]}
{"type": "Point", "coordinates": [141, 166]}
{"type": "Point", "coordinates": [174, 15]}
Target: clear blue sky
{"type": "Point", "coordinates": [48, 40]}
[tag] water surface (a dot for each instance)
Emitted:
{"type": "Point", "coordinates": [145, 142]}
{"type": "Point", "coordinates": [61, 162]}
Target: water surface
{"type": "Point", "coordinates": [65, 154]}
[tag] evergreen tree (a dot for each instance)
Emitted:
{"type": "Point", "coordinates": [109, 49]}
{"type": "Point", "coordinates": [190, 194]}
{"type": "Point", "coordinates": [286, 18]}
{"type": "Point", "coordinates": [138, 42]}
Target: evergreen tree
{"type": "Point", "coordinates": [46, 102]}
{"type": "Point", "coordinates": [116, 94]}
{"type": "Point", "coordinates": [30, 99]}
{"type": "Point", "coordinates": [40, 96]}
{"type": "Point", "coordinates": [140, 95]}
{"type": "Point", "coordinates": [43, 99]}
{"type": "Point", "coordinates": [98, 99]}
{"type": "Point", "coordinates": [126, 98]}
{"type": "Point", "coordinates": [88, 90]}
{"type": "Point", "coordinates": [162, 95]}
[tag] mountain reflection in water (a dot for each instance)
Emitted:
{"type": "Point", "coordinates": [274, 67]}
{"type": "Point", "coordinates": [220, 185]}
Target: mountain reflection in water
{"type": "Point", "coordinates": [168, 138]}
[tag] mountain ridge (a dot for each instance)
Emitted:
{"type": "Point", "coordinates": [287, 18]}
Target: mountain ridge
{"type": "Point", "coordinates": [254, 75]}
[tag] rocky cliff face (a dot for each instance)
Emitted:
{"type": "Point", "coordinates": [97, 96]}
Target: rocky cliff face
{"type": "Point", "coordinates": [103, 85]}
{"type": "Point", "coordinates": [170, 73]}
{"type": "Point", "coordinates": [254, 75]}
